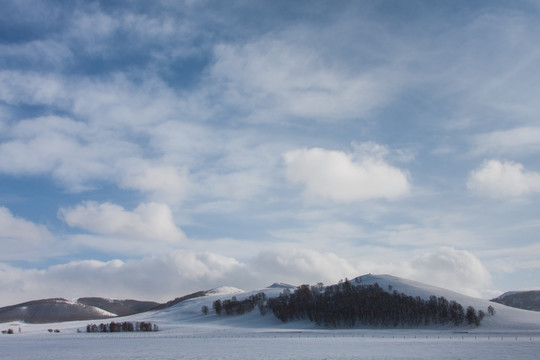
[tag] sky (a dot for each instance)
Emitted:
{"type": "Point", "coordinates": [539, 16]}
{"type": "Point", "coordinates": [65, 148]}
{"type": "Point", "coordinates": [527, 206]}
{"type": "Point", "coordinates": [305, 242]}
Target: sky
{"type": "Point", "coordinates": [150, 149]}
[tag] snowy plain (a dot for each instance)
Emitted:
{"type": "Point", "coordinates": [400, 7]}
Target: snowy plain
{"type": "Point", "coordinates": [186, 333]}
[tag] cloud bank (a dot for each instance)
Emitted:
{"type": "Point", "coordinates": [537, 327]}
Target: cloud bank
{"type": "Point", "coordinates": [164, 277]}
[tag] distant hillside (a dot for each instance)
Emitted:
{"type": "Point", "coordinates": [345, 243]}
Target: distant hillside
{"type": "Point", "coordinates": [203, 307]}
{"type": "Point", "coordinates": [119, 307]}
{"type": "Point", "coordinates": [528, 300]}
{"type": "Point", "coordinates": [58, 309]}
{"type": "Point", "coordinates": [51, 310]}
{"type": "Point", "coordinates": [179, 300]}
{"type": "Point", "coordinates": [87, 308]}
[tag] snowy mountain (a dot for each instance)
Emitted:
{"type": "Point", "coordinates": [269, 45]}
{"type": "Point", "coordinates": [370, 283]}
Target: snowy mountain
{"type": "Point", "coordinates": [224, 290]}
{"type": "Point", "coordinates": [528, 300]}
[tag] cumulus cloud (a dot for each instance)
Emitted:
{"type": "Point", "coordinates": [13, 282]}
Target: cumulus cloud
{"type": "Point", "coordinates": [166, 276]}
{"type": "Point", "coordinates": [458, 270]}
{"type": "Point", "coordinates": [23, 239]}
{"type": "Point", "coordinates": [503, 179]}
{"type": "Point", "coordinates": [343, 177]}
{"type": "Point", "coordinates": [159, 278]}
{"type": "Point", "coordinates": [150, 222]}
{"type": "Point", "coordinates": [300, 266]}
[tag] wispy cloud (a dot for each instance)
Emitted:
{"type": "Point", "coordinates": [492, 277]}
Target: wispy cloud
{"type": "Point", "coordinates": [277, 79]}
{"type": "Point", "coordinates": [520, 141]}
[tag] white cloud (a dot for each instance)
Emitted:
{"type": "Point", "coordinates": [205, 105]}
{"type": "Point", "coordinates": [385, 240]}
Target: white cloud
{"type": "Point", "coordinates": [301, 266]}
{"type": "Point", "coordinates": [449, 268]}
{"type": "Point", "coordinates": [164, 183]}
{"type": "Point", "coordinates": [74, 153]}
{"type": "Point", "coordinates": [151, 222]}
{"type": "Point", "coordinates": [223, 164]}
{"type": "Point", "coordinates": [170, 275]}
{"type": "Point", "coordinates": [32, 88]}
{"type": "Point", "coordinates": [164, 277]}
{"type": "Point", "coordinates": [276, 77]}
{"type": "Point", "coordinates": [38, 52]}
{"type": "Point", "coordinates": [343, 177]}
{"type": "Point", "coordinates": [159, 278]}
{"type": "Point", "coordinates": [100, 145]}
{"type": "Point", "coordinates": [523, 140]}
{"type": "Point", "coordinates": [23, 239]}
{"type": "Point", "coordinates": [503, 179]}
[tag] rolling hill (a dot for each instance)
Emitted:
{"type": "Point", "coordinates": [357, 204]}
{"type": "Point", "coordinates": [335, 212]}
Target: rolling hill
{"type": "Point", "coordinates": [187, 310]}
{"type": "Point", "coordinates": [528, 300]}
{"type": "Point", "coordinates": [58, 309]}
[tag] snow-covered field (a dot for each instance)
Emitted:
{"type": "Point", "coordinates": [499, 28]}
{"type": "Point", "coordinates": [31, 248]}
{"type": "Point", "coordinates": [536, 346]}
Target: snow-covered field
{"type": "Point", "coordinates": [185, 333]}
{"type": "Point", "coordinates": [218, 343]}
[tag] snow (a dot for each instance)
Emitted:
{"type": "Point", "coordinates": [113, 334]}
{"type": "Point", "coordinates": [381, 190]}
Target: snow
{"type": "Point", "coordinates": [225, 290]}
{"type": "Point", "coordinates": [507, 318]}
{"type": "Point", "coordinates": [186, 342]}
{"type": "Point", "coordinates": [281, 286]}
{"type": "Point", "coordinates": [186, 333]}
{"type": "Point", "coordinates": [102, 312]}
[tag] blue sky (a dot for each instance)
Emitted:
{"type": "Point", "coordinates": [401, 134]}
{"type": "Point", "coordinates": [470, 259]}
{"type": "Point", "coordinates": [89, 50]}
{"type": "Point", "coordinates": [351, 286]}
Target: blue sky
{"type": "Point", "coordinates": [153, 149]}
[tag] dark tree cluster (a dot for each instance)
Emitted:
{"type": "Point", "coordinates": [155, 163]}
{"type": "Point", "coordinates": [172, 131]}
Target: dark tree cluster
{"type": "Point", "coordinates": [125, 326]}
{"type": "Point", "coordinates": [240, 307]}
{"type": "Point", "coordinates": [345, 305]}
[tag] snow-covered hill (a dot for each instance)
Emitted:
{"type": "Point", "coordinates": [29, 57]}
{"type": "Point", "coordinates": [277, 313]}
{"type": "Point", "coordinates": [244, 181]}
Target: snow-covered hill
{"type": "Point", "coordinates": [505, 318]}
{"type": "Point", "coordinates": [188, 312]}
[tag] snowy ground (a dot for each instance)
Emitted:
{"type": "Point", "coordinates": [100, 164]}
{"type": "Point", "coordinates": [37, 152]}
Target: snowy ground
{"type": "Point", "coordinates": [233, 343]}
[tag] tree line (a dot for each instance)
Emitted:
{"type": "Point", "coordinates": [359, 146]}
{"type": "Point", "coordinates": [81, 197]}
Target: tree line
{"type": "Point", "coordinates": [125, 326]}
{"type": "Point", "coordinates": [345, 305]}
{"type": "Point", "coordinates": [236, 307]}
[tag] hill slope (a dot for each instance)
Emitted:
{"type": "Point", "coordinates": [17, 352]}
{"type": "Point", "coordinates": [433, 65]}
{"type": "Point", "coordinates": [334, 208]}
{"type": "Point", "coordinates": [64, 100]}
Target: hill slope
{"type": "Point", "coordinates": [119, 307]}
{"type": "Point", "coordinates": [528, 300]}
{"type": "Point", "coordinates": [52, 310]}
{"type": "Point", "coordinates": [189, 311]}
{"type": "Point", "coordinates": [58, 309]}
